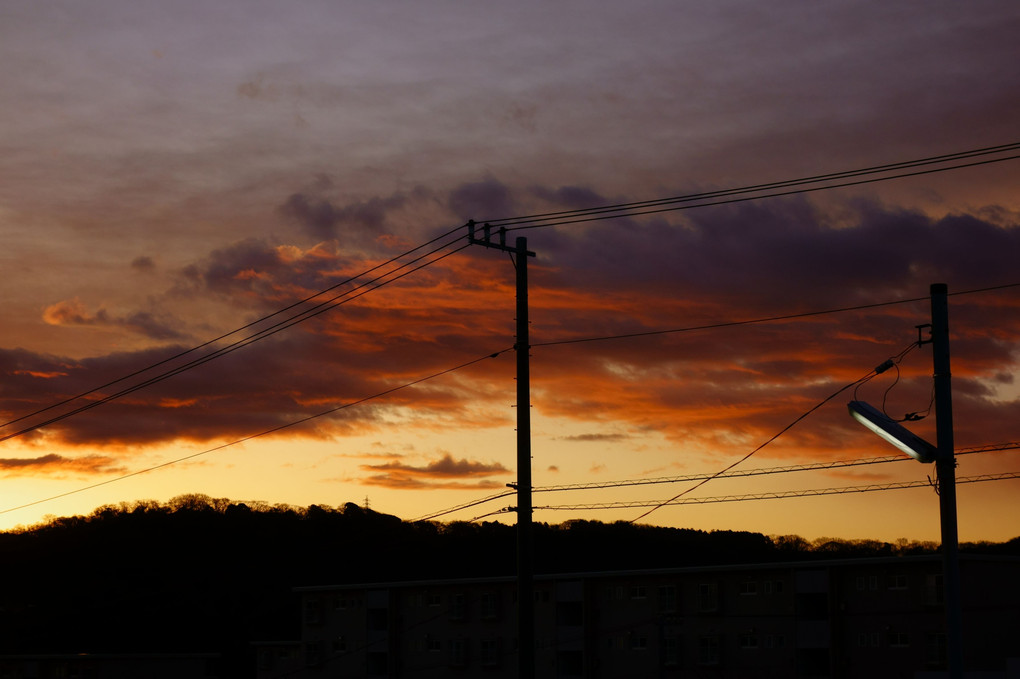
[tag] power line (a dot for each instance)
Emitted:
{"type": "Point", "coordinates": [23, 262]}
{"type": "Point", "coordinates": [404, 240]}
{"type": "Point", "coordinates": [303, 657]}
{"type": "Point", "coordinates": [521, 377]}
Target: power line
{"type": "Point", "coordinates": [765, 319]}
{"type": "Point", "coordinates": [778, 495]}
{"type": "Point", "coordinates": [388, 277]}
{"type": "Point", "coordinates": [601, 209]}
{"type": "Point", "coordinates": [266, 432]}
{"type": "Point", "coordinates": [466, 505]}
{"type": "Point", "coordinates": [761, 471]}
{"type": "Point", "coordinates": [696, 200]}
{"type": "Point", "coordinates": [319, 308]}
{"type": "Point", "coordinates": [872, 373]}
{"type": "Point", "coordinates": [247, 326]}
{"type": "Point", "coordinates": [333, 302]}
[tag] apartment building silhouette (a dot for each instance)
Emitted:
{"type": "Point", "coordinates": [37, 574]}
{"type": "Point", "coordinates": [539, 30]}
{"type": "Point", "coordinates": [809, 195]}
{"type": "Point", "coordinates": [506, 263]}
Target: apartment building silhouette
{"type": "Point", "coordinates": [863, 617]}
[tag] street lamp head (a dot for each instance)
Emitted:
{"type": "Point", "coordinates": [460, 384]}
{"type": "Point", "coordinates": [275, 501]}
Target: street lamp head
{"type": "Point", "coordinates": [892, 431]}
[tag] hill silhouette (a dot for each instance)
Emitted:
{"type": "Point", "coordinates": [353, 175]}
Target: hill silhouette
{"type": "Point", "coordinates": [199, 574]}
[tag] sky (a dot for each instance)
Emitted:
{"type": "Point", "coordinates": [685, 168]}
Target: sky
{"type": "Point", "coordinates": [173, 172]}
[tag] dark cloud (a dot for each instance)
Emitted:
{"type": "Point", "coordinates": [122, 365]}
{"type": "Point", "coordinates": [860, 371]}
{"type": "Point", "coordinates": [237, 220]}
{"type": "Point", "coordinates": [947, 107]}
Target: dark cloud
{"type": "Point", "coordinates": [488, 199]}
{"type": "Point", "coordinates": [147, 324]}
{"type": "Point", "coordinates": [143, 264]}
{"type": "Point", "coordinates": [707, 269]}
{"type": "Point", "coordinates": [570, 197]}
{"type": "Point", "coordinates": [240, 266]}
{"type": "Point", "coordinates": [445, 473]}
{"type": "Point", "coordinates": [445, 467]}
{"type": "Point", "coordinates": [596, 438]}
{"type": "Point", "coordinates": [58, 463]}
{"type": "Point", "coordinates": [323, 220]}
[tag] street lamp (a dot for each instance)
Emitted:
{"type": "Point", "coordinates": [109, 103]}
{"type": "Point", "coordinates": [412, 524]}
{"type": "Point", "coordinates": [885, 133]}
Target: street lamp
{"type": "Point", "coordinates": [892, 431]}
{"type": "Point", "coordinates": [943, 456]}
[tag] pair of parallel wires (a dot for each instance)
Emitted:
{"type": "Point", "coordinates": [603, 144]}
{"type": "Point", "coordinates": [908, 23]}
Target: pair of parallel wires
{"type": "Point", "coordinates": [451, 242]}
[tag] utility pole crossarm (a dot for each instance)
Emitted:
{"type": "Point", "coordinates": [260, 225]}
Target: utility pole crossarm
{"type": "Point", "coordinates": [486, 239]}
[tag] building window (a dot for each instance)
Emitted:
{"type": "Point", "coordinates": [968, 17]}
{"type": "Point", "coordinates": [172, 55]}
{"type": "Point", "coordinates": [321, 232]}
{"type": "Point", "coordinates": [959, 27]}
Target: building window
{"type": "Point", "coordinates": [873, 582]}
{"type": "Point", "coordinates": [935, 593]}
{"type": "Point", "coordinates": [313, 654]}
{"type": "Point", "coordinates": [340, 645]}
{"type": "Point", "coordinates": [569, 613]}
{"type": "Point", "coordinates": [459, 653]}
{"type": "Point", "coordinates": [898, 581]}
{"type": "Point", "coordinates": [435, 600]}
{"type": "Point", "coordinates": [433, 645]}
{"type": "Point", "coordinates": [748, 587]}
{"type": "Point", "coordinates": [935, 649]}
{"type": "Point", "coordinates": [377, 663]}
{"type": "Point", "coordinates": [749, 641]}
{"type": "Point", "coordinates": [570, 664]}
{"type": "Point", "coordinates": [708, 596]}
{"type": "Point", "coordinates": [313, 612]}
{"type": "Point", "coordinates": [638, 642]}
{"type": "Point", "coordinates": [667, 599]}
{"type": "Point", "coordinates": [491, 652]}
{"type": "Point", "coordinates": [377, 619]}
{"type": "Point", "coordinates": [709, 650]}
{"type": "Point", "coordinates": [898, 639]}
{"type": "Point", "coordinates": [489, 603]}
{"type": "Point", "coordinates": [638, 592]}
{"type": "Point", "coordinates": [458, 607]}
{"type": "Point", "coordinates": [670, 651]}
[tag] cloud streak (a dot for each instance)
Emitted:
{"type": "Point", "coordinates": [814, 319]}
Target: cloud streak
{"type": "Point", "coordinates": [707, 387]}
{"type": "Point", "coordinates": [443, 473]}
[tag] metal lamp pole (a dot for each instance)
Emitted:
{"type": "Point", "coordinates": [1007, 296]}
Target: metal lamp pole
{"type": "Point", "coordinates": [945, 468]}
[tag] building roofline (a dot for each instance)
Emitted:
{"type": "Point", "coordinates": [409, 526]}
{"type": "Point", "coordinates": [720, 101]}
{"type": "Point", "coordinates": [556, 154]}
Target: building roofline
{"type": "Point", "coordinates": [805, 564]}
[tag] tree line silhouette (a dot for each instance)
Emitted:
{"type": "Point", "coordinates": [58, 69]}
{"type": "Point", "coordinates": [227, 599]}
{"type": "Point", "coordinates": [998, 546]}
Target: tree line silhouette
{"type": "Point", "coordinates": [202, 574]}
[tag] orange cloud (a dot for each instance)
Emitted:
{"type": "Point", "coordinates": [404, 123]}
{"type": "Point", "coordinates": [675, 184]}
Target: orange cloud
{"type": "Point", "coordinates": [92, 464]}
{"type": "Point", "coordinates": [70, 312]}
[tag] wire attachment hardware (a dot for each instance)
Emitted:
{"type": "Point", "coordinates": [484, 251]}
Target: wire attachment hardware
{"type": "Point", "coordinates": [486, 239]}
{"type": "Point", "coordinates": [920, 341]}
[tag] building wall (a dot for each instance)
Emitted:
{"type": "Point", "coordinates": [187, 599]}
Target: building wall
{"type": "Point", "coordinates": [848, 618]}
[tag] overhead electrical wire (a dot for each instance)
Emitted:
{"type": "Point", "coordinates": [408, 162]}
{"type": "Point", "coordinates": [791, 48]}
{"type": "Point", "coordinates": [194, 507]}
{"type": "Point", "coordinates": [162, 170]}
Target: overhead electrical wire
{"type": "Point", "coordinates": [732, 474]}
{"type": "Point", "coordinates": [777, 495]}
{"type": "Point", "coordinates": [799, 418]}
{"type": "Point", "coordinates": [319, 308]}
{"type": "Point", "coordinates": [247, 326]}
{"type": "Point", "coordinates": [514, 222]}
{"type": "Point", "coordinates": [550, 219]}
{"type": "Point", "coordinates": [688, 201]}
{"type": "Point", "coordinates": [764, 319]}
{"type": "Point", "coordinates": [704, 478]}
{"type": "Point", "coordinates": [760, 471]}
{"type": "Point", "coordinates": [273, 430]}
